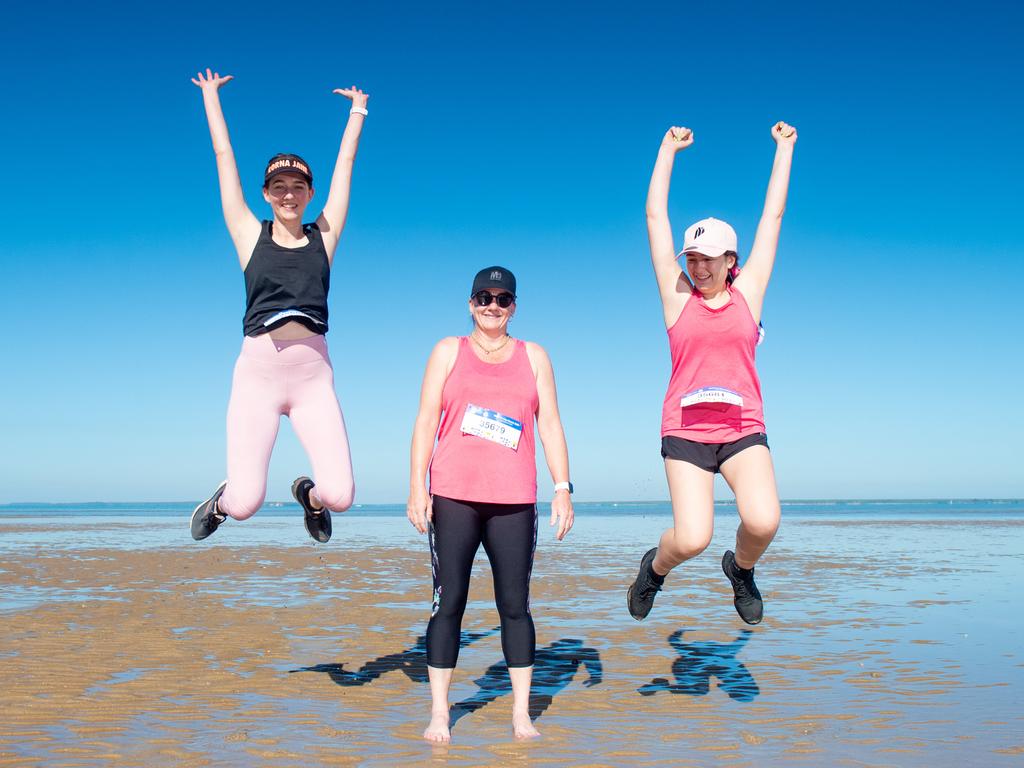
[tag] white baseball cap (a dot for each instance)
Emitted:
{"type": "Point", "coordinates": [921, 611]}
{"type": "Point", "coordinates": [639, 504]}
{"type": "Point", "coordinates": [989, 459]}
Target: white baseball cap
{"type": "Point", "coordinates": [710, 237]}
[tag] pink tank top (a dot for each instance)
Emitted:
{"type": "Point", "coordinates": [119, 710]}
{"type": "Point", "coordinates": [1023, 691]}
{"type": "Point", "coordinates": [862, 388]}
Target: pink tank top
{"type": "Point", "coordinates": [714, 395]}
{"type": "Point", "coordinates": [481, 454]}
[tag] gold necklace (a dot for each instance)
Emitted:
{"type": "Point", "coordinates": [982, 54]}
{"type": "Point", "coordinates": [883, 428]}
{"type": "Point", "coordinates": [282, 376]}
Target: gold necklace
{"type": "Point", "coordinates": [485, 349]}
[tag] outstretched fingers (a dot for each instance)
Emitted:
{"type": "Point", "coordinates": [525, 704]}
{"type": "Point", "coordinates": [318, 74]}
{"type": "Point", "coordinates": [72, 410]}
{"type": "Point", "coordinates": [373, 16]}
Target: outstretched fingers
{"type": "Point", "coordinates": [211, 79]}
{"type": "Point", "coordinates": [358, 96]}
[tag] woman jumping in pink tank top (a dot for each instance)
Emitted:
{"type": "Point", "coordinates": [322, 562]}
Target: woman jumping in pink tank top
{"type": "Point", "coordinates": [712, 416]}
{"type": "Point", "coordinates": [481, 394]}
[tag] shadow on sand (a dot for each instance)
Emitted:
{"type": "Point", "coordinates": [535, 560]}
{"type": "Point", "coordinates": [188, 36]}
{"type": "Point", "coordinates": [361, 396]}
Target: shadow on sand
{"type": "Point", "coordinates": [554, 668]}
{"type": "Point", "coordinates": [412, 662]}
{"type": "Point", "coordinates": [699, 662]}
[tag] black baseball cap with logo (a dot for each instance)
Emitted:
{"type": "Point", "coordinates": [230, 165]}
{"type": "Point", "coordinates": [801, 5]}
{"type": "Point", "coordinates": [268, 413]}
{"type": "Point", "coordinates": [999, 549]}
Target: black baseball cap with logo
{"type": "Point", "coordinates": [286, 163]}
{"type": "Point", "coordinates": [494, 277]}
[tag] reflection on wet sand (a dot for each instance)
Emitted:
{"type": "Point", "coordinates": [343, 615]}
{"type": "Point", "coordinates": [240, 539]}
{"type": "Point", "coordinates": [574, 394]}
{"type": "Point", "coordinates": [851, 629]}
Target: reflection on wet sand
{"type": "Point", "coordinates": [901, 650]}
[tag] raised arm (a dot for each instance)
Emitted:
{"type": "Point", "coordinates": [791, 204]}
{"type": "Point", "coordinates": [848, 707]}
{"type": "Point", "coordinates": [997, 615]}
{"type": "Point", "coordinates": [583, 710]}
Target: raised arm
{"type": "Point", "coordinates": [332, 220]}
{"type": "Point", "coordinates": [243, 226]}
{"type": "Point", "coordinates": [552, 437]}
{"type": "Point", "coordinates": [659, 229]}
{"type": "Point", "coordinates": [753, 279]}
{"type": "Point", "coordinates": [419, 509]}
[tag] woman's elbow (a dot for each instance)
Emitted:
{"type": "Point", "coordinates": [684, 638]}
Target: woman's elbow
{"type": "Point", "coordinates": [550, 429]}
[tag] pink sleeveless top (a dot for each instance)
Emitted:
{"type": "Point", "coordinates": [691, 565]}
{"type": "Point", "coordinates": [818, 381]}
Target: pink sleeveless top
{"type": "Point", "coordinates": [468, 467]}
{"type": "Point", "coordinates": [714, 395]}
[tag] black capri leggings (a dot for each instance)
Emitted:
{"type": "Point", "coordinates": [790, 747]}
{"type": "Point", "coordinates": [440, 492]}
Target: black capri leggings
{"type": "Point", "coordinates": [509, 535]}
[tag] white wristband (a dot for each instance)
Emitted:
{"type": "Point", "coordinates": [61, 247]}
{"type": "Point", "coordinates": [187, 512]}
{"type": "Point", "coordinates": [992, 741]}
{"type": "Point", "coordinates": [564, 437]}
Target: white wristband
{"type": "Point", "coordinates": [358, 111]}
{"type": "Point", "coordinates": [563, 486]}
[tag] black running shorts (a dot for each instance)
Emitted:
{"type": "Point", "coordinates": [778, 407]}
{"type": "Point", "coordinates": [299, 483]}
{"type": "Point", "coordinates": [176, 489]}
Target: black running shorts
{"type": "Point", "coordinates": [707, 456]}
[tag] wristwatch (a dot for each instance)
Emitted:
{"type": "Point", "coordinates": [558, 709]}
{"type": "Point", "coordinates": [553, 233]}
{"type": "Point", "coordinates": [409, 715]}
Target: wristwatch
{"type": "Point", "coordinates": [563, 486]}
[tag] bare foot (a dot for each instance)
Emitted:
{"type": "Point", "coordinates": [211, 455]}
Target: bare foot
{"type": "Point", "coordinates": [522, 726]}
{"type": "Point", "coordinates": [438, 731]}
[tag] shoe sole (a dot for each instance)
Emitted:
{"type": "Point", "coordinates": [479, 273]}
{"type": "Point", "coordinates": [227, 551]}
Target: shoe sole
{"type": "Point", "coordinates": [305, 523]}
{"type": "Point", "coordinates": [202, 504]}
{"type": "Point", "coordinates": [629, 592]}
{"type": "Point", "coordinates": [629, 599]}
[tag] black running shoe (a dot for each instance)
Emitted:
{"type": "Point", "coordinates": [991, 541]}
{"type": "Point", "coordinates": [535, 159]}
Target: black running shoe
{"type": "Point", "coordinates": [641, 593]}
{"type": "Point", "coordinates": [206, 518]}
{"type": "Point", "coordinates": [747, 599]}
{"type": "Point", "coordinates": [318, 521]}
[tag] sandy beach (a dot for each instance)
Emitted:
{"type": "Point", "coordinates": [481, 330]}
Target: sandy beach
{"type": "Point", "coordinates": [885, 643]}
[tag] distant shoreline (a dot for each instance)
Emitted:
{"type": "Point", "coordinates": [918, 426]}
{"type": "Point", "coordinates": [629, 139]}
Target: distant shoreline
{"type": "Point", "coordinates": [935, 500]}
{"type": "Point", "coordinates": [874, 508]}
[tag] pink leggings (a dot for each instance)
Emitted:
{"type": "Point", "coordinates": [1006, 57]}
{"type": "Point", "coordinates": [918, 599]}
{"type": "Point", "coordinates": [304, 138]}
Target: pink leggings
{"type": "Point", "coordinates": [284, 378]}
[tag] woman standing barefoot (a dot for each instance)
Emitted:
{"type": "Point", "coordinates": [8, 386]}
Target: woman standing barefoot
{"type": "Point", "coordinates": [484, 391]}
{"type": "Point", "coordinates": [283, 368]}
{"type": "Point", "coordinates": [712, 418]}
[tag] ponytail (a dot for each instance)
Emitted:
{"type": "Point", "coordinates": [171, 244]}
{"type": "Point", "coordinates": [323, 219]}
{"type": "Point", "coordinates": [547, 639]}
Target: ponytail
{"type": "Point", "coordinates": [734, 270]}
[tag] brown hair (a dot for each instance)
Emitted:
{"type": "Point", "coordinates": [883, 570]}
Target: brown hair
{"type": "Point", "coordinates": [734, 270]}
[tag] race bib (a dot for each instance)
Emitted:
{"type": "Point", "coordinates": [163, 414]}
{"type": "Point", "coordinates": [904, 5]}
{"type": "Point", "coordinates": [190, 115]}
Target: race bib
{"type": "Point", "coordinates": [491, 425]}
{"type": "Point", "coordinates": [712, 395]}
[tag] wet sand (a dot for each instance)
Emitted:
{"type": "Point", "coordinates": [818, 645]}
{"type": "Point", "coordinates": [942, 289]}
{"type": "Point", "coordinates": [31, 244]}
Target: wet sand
{"type": "Point", "coordinates": [238, 652]}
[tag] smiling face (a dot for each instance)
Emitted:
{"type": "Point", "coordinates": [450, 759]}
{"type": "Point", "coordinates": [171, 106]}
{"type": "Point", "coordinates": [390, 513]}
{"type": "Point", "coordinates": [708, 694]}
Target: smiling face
{"type": "Point", "coordinates": [492, 319]}
{"type": "Point", "coordinates": [288, 195]}
{"type": "Point", "coordinates": [709, 273]}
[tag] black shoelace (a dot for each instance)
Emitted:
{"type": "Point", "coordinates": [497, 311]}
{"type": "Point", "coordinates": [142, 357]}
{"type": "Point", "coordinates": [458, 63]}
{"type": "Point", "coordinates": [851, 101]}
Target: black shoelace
{"type": "Point", "coordinates": [648, 587]}
{"type": "Point", "coordinates": [744, 587]}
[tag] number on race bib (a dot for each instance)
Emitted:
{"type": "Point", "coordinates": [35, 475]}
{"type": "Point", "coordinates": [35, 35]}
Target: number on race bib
{"type": "Point", "coordinates": [491, 425]}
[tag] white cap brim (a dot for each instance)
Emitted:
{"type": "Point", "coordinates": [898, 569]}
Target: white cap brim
{"type": "Point", "coordinates": [706, 250]}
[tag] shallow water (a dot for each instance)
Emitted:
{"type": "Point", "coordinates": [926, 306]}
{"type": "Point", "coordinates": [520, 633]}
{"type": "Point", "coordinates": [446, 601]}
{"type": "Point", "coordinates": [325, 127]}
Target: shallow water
{"type": "Point", "coordinates": [889, 639]}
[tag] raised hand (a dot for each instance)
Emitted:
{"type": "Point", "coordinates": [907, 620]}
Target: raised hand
{"type": "Point", "coordinates": [359, 98]}
{"type": "Point", "coordinates": [784, 133]}
{"type": "Point", "coordinates": [212, 80]}
{"type": "Point", "coordinates": [677, 138]}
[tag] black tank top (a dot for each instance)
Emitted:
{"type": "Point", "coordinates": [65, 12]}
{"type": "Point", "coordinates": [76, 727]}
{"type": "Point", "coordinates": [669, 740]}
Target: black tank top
{"type": "Point", "coordinates": [283, 284]}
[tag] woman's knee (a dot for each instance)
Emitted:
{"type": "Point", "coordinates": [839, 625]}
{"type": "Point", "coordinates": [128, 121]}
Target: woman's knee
{"type": "Point", "coordinates": [762, 524]}
{"type": "Point", "coordinates": [686, 544]}
{"type": "Point", "coordinates": [241, 505]}
{"type": "Point", "coordinates": [513, 609]}
{"type": "Point", "coordinates": [337, 497]}
{"type": "Point", "coordinates": [450, 610]}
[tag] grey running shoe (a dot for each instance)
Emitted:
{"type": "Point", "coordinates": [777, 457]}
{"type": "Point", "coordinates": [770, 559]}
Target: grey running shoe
{"type": "Point", "coordinates": [206, 518]}
{"type": "Point", "coordinates": [318, 521]}
{"type": "Point", "coordinates": [641, 593]}
{"type": "Point", "coordinates": [747, 598]}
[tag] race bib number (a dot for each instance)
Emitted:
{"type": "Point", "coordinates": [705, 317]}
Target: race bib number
{"type": "Point", "coordinates": [491, 425]}
{"type": "Point", "coordinates": [712, 395]}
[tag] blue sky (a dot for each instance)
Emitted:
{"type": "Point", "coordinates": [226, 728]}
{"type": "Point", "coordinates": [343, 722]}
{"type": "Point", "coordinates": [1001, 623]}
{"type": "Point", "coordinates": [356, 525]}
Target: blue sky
{"type": "Point", "coordinates": [524, 137]}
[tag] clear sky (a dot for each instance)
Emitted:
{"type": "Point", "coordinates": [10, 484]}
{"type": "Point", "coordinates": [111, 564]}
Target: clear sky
{"type": "Point", "coordinates": [521, 135]}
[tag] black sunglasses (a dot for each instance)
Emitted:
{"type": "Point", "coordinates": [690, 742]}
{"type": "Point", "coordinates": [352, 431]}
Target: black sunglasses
{"type": "Point", "coordinates": [484, 299]}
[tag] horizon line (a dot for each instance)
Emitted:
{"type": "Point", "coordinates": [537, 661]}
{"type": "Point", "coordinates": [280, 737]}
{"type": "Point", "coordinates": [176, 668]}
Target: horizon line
{"type": "Point", "coordinates": [880, 500]}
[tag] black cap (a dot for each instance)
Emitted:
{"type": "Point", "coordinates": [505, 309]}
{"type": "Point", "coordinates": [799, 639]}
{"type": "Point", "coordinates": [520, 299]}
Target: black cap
{"type": "Point", "coordinates": [285, 163]}
{"type": "Point", "coordinates": [494, 277]}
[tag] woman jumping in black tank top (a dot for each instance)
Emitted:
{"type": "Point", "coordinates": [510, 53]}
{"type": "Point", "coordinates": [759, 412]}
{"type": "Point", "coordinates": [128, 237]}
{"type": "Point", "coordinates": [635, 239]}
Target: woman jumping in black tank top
{"type": "Point", "coordinates": [283, 368]}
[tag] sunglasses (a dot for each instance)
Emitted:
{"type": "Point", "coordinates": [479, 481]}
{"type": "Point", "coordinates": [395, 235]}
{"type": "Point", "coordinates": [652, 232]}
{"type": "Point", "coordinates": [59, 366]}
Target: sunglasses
{"type": "Point", "coordinates": [484, 299]}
